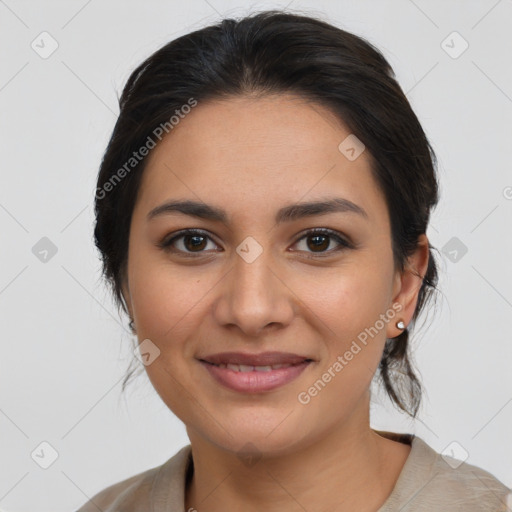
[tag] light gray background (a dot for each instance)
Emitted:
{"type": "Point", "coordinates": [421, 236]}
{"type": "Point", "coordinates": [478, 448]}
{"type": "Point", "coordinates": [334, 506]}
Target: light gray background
{"type": "Point", "coordinates": [64, 349]}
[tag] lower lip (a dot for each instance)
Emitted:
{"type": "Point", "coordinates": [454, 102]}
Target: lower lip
{"type": "Point", "coordinates": [255, 382]}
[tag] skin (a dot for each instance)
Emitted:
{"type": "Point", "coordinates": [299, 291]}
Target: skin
{"type": "Point", "coordinates": [251, 157]}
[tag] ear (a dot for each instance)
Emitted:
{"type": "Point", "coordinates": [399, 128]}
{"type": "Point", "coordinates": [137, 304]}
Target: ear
{"type": "Point", "coordinates": [407, 285]}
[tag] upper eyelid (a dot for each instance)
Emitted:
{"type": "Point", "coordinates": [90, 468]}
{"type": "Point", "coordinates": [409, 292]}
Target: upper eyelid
{"type": "Point", "coordinates": [343, 242]}
{"type": "Point", "coordinates": [186, 232]}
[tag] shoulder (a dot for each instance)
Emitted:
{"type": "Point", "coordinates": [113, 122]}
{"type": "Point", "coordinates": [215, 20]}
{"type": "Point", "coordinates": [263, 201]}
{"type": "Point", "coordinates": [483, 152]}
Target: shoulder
{"type": "Point", "coordinates": [468, 486]}
{"type": "Point", "coordinates": [136, 492]}
{"type": "Point", "coordinates": [432, 481]}
{"type": "Point", "coordinates": [108, 499]}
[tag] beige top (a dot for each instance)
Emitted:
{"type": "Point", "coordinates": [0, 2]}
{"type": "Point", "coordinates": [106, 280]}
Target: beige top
{"type": "Point", "coordinates": [427, 483]}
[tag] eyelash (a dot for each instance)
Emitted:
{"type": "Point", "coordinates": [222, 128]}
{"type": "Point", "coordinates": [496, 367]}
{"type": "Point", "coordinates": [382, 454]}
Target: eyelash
{"type": "Point", "coordinates": [167, 244]}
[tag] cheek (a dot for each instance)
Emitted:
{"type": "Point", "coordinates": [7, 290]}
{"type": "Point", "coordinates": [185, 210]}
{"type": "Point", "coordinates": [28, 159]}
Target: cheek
{"type": "Point", "coordinates": [349, 313]}
{"type": "Point", "coordinates": [167, 308]}
{"type": "Point", "coordinates": [350, 301]}
{"type": "Point", "coordinates": [164, 299]}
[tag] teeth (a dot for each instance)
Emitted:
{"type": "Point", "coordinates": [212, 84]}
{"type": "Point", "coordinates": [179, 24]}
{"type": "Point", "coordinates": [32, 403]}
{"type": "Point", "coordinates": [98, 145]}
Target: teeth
{"type": "Point", "coordinates": [263, 368]}
{"type": "Point", "coordinates": [249, 368]}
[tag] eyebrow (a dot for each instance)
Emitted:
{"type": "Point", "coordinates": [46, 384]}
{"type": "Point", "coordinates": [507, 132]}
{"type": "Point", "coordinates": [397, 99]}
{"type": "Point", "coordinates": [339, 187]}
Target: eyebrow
{"type": "Point", "coordinates": [287, 213]}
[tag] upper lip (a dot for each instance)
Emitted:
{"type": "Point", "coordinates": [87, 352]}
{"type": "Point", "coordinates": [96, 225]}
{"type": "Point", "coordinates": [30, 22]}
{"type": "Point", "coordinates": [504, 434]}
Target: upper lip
{"type": "Point", "coordinates": [261, 359]}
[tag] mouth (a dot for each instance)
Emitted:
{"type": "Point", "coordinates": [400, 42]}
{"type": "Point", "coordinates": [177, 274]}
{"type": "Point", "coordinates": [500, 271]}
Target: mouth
{"type": "Point", "coordinates": [261, 360]}
{"type": "Point", "coordinates": [244, 368]}
{"type": "Point", "coordinates": [247, 374]}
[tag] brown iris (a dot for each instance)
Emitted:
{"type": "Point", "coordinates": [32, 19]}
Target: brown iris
{"type": "Point", "coordinates": [322, 245]}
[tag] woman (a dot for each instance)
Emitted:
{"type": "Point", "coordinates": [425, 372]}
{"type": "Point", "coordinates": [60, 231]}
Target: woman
{"type": "Point", "coordinates": [261, 213]}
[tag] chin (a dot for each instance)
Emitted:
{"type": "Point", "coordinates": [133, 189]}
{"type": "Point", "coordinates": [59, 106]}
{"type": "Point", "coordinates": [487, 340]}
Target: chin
{"type": "Point", "coordinates": [252, 436]}
{"type": "Point", "coordinates": [255, 446]}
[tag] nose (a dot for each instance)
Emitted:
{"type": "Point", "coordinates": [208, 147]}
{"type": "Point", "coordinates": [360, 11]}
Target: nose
{"type": "Point", "coordinates": [254, 297]}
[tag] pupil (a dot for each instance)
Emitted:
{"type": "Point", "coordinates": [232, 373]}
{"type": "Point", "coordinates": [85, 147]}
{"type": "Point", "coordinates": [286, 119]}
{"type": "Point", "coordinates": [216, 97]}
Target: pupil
{"type": "Point", "coordinates": [196, 241]}
{"type": "Point", "coordinates": [319, 245]}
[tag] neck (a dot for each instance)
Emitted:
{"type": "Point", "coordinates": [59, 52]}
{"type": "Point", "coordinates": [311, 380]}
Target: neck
{"type": "Point", "coordinates": [349, 468]}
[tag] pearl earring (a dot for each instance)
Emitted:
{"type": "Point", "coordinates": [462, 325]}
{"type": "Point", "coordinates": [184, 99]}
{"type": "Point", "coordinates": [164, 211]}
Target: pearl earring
{"type": "Point", "coordinates": [400, 324]}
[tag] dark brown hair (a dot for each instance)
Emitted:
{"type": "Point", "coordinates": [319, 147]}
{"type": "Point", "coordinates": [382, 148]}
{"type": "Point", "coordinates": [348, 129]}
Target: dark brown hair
{"type": "Point", "coordinates": [274, 52]}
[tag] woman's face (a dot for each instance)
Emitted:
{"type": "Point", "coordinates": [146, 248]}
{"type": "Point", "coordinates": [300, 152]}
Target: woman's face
{"type": "Point", "coordinates": [253, 281]}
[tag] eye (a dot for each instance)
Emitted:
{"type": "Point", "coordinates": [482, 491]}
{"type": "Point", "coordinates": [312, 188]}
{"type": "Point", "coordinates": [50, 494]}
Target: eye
{"type": "Point", "coordinates": [321, 238]}
{"type": "Point", "coordinates": [190, 241]}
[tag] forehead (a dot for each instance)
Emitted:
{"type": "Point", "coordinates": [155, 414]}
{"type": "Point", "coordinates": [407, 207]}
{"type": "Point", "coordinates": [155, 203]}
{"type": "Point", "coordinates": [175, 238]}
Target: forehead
{"type": "Point", "coordinates": [253, 152]}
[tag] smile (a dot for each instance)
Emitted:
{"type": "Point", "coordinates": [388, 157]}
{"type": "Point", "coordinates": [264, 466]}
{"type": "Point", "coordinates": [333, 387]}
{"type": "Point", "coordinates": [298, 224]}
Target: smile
{"type": "Point", "coordinates": [254, 379]}
{"type": "Point", "coordinates": [250, 368]}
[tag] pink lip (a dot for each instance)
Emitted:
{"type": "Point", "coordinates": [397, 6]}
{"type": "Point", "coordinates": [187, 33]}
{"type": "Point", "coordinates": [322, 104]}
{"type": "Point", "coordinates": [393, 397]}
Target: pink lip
{"type": "Point", "coordinates": [255, 381]}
